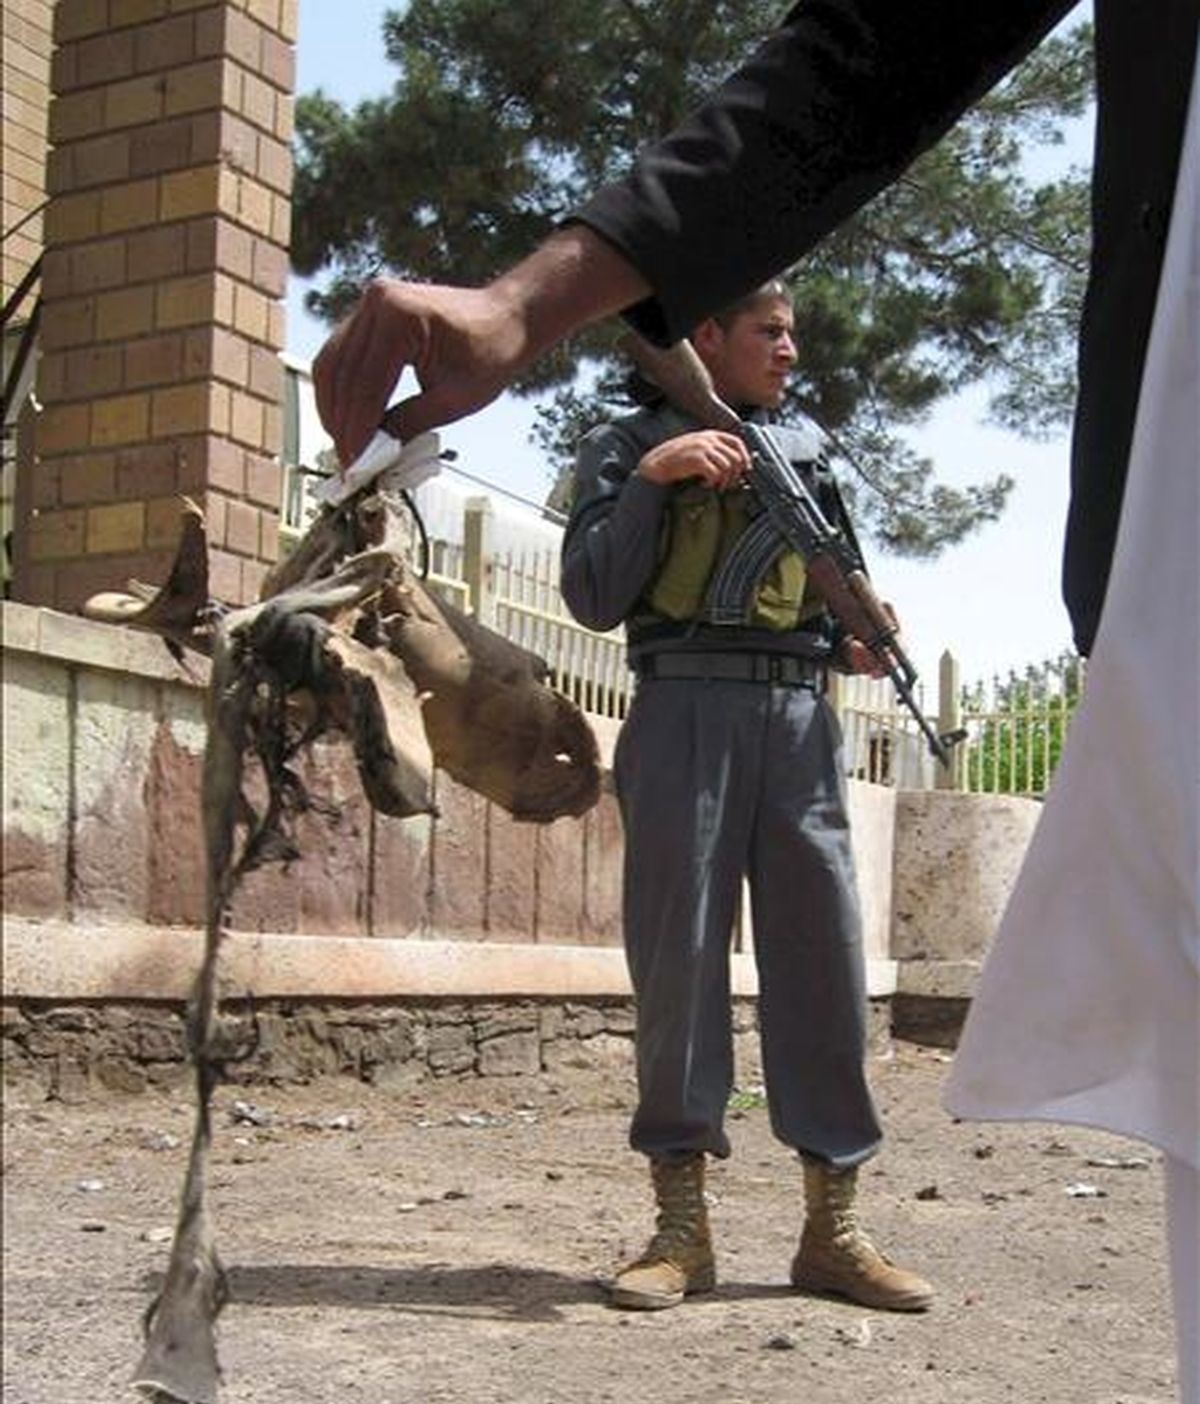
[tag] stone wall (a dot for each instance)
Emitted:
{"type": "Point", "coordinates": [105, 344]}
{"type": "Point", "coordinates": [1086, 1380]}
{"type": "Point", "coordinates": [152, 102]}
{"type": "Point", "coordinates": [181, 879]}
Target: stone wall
{"type": "Point", "coordinates": [956, 859]}
{"type": "Point", "coordinates": [71, 1051]}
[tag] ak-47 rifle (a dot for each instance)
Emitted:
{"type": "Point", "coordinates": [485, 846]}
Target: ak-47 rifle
{"type": "Point", "coordinates": [833, 567]}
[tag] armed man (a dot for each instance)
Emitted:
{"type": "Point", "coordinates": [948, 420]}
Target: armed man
{"type": "Point", "coordinates": [729, 766]}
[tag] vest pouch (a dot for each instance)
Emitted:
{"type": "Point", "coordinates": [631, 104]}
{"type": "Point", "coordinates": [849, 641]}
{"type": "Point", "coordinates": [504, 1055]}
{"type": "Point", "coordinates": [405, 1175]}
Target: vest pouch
{"type": "Point", "coordinates": [693, 537]}
{"type": "Point", "coordinates": [780, 594]}
{"type": "Point", "coordinates": [777, 602]}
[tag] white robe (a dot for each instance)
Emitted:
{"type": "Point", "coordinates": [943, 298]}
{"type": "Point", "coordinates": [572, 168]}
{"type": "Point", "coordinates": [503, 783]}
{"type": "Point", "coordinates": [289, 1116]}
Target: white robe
{"type": "Point", "coordinates": [1088, 1005]}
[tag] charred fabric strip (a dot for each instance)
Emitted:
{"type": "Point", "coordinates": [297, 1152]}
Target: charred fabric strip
{"type": "Point", "coordinates": [348, 641]}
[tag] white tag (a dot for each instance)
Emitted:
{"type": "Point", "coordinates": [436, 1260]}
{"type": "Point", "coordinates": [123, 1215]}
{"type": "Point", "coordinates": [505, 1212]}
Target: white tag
{"type": "Point", "coordinates": [407, 465]}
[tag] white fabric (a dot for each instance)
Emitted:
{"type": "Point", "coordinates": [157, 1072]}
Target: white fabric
{"type": "Point", "coordinates": [1088, 1006]}
{"type": "Point", "coordinates": [407, 465]}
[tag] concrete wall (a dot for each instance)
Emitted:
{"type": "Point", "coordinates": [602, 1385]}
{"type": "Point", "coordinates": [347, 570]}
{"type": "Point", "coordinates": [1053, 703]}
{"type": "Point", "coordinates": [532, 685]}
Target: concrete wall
{"type": "Point", "coordinates": [956, 858]}
{"type": "Point", "coordinates": [103, 873]}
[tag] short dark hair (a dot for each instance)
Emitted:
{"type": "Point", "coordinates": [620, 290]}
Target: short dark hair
{"type": "Point", "coordinates": [773, 287]}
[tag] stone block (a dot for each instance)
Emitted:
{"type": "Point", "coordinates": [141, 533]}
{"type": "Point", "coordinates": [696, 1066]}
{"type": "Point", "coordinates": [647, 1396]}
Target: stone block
{"type": "Point", "coordinates": [196, 87]}
{"type": "Point", "coordinates": [130, 12]}
{"type": "Point", "coordinates": [510, 1054]}
{"type": "Point", "coordinates": [76, 19]}
{"type": "Point", "coordinates": [137, 102]}
{"type": "Point", "coordinates": [451, 1049]}
{"type": "Point", "coordinates": [604, 849]}
{"type": "Point", "coordinates": [191, 192]}
{"type": "Point", "coordinates": [93, 370]}
{"type": "Point", "coordinates": [69, 322]}
{"type": "Point", "coordinates": [176, 859]}
{"type": "Point", "coordinates": [458, 905]}
{"type": "Point", "coordinates": [114, 736]}
{"type": "Point", "coordinates": [511, 877]}
{"type": "Point", "coordinates": [163, 525]}
{"type": "Point", "coordinates": [94, 267]}
{"type": "Point", "coordinates": [400, 875]}
{"type": "Point", "coordinates": [74, 116]}
{"type": "Point", "coordinates": [956, 859]}
{"type": "Point", "coordinates": [167, 146]}
{"type": "Point", "coordinates": [154, 360]}
{"type": "Point", "coordinates": [258, 102]}
{"type": "Point", "coordinates": [104, 58]}
{"type": "Point", "coordinates": [166, 44]}
{"type": "Point", "coordinates": [185, 409]}
{"type": "Point", "coordinates": [246, 419]}
{"type": "Point", "coordinates": [57, 535]}
{"type": "Point", "coordinates": [184, 302]}
{"type": "Point", "coordinates": [559, 914]}
{"type": "Point", "coordinates": [63, 429]}
{"type": "Point", "coordinates": [241, 528]}
{"type": "Point", "coordinates": [264, 480]}
{"type": "Point", "coordinates": [332, 873]}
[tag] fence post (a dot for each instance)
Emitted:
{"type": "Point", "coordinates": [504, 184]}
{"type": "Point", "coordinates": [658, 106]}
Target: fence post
{"type": "Point", "coordinates": [949, 718]}
{"type": "Point", "coordinates": [477, 557]}
{"type": "Point", "coordinates": [835, 694]}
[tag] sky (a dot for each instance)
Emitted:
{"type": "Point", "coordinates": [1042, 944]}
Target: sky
{"type": "Point", "coordinates": [994, 602]}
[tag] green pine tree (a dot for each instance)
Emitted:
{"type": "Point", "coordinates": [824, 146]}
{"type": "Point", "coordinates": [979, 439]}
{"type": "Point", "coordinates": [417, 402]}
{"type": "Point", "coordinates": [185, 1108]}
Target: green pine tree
{"type": "Point", "coordinates": [504, 117]}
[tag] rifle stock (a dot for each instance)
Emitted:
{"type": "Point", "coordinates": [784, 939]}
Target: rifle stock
{"type": "Point", "coordinates": [835, 572]}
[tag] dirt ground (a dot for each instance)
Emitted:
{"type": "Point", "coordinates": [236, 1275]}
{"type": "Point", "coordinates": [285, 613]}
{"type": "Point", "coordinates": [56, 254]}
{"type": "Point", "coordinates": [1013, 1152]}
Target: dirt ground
{"type": "Point", "coordinates": [450, 1243]}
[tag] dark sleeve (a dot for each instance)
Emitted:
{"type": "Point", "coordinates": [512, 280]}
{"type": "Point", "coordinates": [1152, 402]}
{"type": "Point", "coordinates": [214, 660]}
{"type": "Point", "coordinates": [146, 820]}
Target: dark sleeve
{"type": "Point", "coordinates": [1143, 81]}
{"type": "Point", "coordinates": [610, 548]}
{"type": "Point", "coordinates": [832, 107]}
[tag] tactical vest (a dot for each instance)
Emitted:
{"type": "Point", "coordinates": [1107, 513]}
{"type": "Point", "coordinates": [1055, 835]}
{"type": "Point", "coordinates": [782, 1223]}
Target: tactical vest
{"type": "Point", "coordinates": [720, 563]}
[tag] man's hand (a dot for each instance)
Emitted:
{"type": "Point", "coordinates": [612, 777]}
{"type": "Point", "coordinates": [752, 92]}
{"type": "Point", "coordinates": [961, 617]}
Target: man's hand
{"type": "Point", "coordinates": [856, 657]}
{"type": "Point", "coordinates": [717, 459]}
{"type": "Point", "coordinates": [462, 344]}
{"type": "Point", "coordinates": [465, 344]}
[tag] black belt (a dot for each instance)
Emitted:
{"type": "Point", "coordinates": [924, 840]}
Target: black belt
{"type": "Point", "coordinates": [783, 668]}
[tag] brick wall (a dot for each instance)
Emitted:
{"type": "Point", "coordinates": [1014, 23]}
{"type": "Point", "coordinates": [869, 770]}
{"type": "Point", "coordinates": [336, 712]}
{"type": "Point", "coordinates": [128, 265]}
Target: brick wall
{"type": "Point", "coordinates": [166, 259]}
{"type": "Point", "coordinates": [25, 37]}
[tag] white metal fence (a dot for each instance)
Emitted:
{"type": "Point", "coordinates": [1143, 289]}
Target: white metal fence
{"type": "Point", "coordinates": [504, 569]}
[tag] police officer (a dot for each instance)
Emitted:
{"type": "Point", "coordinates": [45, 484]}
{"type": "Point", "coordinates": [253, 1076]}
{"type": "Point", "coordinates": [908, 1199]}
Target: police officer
{"type": "Point", "coordinates": [729, 767]}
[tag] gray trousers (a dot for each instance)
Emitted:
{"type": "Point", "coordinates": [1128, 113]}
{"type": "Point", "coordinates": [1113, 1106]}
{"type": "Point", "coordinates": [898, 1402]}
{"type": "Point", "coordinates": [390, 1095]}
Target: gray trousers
{"type": "Point", "coordinates": [718, 780]}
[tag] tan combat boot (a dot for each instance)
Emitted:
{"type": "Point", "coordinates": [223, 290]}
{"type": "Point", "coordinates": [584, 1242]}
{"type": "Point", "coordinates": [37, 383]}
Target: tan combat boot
{"type": "Point", "coordinates": [679, 1258]}
{"type": "Point", "coordinates": [836, 1256]}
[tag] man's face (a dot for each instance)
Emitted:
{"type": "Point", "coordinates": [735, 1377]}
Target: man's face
{"type": "Point", "coordinates": [751, 359]}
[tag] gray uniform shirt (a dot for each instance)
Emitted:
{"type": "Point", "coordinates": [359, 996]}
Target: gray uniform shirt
{"type": "Point", "coordinates": [614, 541]}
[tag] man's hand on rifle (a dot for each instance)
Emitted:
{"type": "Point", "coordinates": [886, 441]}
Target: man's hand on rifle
{"type": "Point", "coordinates": [854, 655]}
{"type": "Point", "coordinates": [710, 456]}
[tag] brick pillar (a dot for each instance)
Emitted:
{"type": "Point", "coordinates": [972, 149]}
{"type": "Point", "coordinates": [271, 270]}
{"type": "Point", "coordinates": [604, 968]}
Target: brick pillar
{"type": "Point", "coordinates": [166, 258]}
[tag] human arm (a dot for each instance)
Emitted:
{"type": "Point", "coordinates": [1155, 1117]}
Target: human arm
{"type": "Point", "coordinates": [833, 106]}
{"type": "Point", "coordinates": [830, 109]}
{"type": "Point", "coordinates": [623, 477]}
{"type": "Point", "coordinates": [465, 344]}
